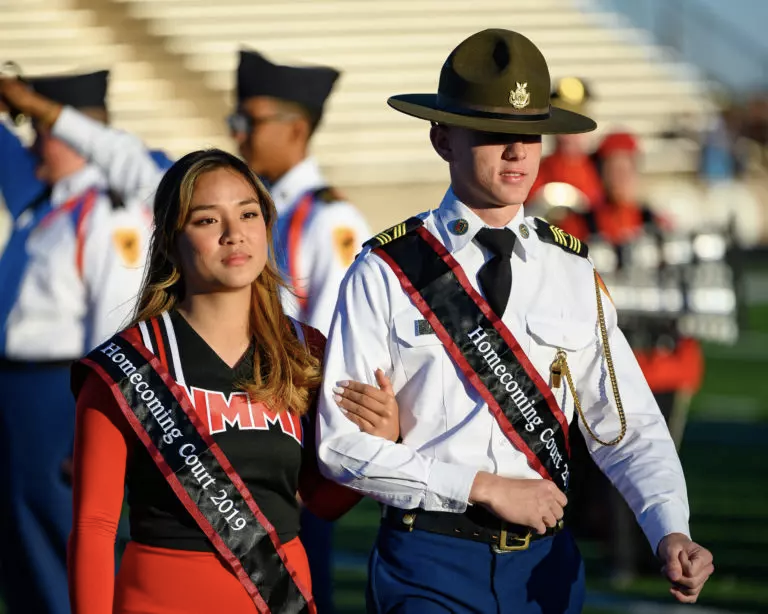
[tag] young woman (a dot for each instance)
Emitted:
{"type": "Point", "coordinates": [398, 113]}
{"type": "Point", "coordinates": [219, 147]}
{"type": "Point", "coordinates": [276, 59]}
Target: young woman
{"type": "Point", "coordinates": [204, 407]}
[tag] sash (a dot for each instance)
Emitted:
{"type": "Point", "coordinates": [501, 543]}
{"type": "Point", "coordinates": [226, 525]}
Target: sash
{"type": "Point", "coordinates": [205, 482]}
{"type": "Point", "coordinates": [484, 349]}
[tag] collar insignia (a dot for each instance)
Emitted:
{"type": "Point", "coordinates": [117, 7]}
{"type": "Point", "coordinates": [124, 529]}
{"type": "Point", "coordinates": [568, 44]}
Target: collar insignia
{"type": "Point", "coordinates": [459, 227]}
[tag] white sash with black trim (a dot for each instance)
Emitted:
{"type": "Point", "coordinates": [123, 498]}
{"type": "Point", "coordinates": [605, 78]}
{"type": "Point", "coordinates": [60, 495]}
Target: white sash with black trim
{"type": "Point", "coordinates": [482, 347]}
{"type": "Point", "coordinates": [197, 470]}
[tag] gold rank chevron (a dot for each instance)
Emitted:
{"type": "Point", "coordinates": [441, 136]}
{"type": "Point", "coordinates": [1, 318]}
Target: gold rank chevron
{"type": "Point", "coordinates": [395, 232]}
{"type": "Point", "coordinates": [549, 233]}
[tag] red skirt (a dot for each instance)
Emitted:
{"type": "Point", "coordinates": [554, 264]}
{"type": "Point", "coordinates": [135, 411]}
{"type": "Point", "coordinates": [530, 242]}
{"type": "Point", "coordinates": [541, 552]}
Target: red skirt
{"type": "Point", "coordinates": [163, 581]}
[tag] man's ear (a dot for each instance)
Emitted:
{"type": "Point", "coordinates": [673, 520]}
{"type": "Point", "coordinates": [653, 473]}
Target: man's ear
{"type": "Point", "coordinates": [441, 142]}
{"type": "Point", "coordinates": [300, 130]}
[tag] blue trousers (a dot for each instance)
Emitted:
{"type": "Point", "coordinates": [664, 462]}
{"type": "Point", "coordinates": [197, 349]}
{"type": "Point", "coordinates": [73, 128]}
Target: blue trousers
{"type": "Point", "coordinates": [37, 421]}
{"type": "Point", "coordinates": [425, 573]}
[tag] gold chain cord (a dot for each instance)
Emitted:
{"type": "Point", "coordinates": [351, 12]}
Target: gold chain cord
{"type": "Point", "coordinates": [611, 374]}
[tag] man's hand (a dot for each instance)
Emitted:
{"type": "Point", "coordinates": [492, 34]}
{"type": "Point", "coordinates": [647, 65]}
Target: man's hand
{"type": "Point", "coordinates": [532, 503]}
{"type": "Point", "coordinates": [686, 565]}
{"type": "Point", "coordinates": [17, 95]}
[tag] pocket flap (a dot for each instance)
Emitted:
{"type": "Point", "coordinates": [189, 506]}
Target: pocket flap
{"type": "Point", "coordinates": [560, 333]}
{"type": "Point", "coordinates": [413, 330]}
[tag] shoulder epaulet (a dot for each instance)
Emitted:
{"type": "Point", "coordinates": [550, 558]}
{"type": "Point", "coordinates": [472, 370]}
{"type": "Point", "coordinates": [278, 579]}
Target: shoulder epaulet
{"type": "Point", "coordinates": [395, 232]}
{"type": "Point", "coordinates": [549, 233]}
{"type": "Point", "coordinates": [328, 195]}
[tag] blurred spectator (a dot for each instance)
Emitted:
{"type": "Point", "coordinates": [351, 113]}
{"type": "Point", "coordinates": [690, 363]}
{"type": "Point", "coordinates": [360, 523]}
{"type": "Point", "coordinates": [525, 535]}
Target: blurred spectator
{"type": "Point", "coordinates": [570, 163]}
{"type": "Point", "coordinates": [720, 158]}
{"type": "Point", "coordinates": [671, 362]}
{"type": "Point", "coordinates": [69, 275]}
{"type": "Point", "coordinates": [756, 119]}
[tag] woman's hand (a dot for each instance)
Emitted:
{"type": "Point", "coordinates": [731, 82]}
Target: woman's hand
{"type": "Point", "coordinates": [373, 410]}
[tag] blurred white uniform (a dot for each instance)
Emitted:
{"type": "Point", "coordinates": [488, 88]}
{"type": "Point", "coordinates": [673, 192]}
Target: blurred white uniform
{"type": "Point", "coordinates": [448, 432]}
{"type": "Point", "coordinates": [327, 234]}
{"type": "Point", "coordinates": [319, 236]}
{"type": "Point", "coordinates": [84, 271]}
{"type": "Point", "coordinates": [130, 169]}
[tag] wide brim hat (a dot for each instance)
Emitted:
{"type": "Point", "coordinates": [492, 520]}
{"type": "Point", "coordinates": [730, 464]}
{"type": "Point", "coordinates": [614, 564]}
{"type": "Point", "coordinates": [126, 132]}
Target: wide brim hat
{"type": "Point", "coordinates": [494, 81]}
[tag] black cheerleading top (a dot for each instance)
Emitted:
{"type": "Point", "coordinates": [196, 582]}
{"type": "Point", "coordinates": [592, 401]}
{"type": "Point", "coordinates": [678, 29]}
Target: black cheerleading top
{"type": "Point", "coordinates": [274, 453]}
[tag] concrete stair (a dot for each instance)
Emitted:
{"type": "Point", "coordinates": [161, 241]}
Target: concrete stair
{"type": "Point", "coordinates": [174, 62]}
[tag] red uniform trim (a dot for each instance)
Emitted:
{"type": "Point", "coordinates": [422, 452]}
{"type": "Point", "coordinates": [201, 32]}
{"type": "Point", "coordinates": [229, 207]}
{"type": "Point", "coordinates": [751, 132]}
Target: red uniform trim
{"type": "Point", "coordinates": [295, 232]}
{"type": "Point", "coordinates": [160, 345]}
{"type": "Point", "coordinates": [80, 232]}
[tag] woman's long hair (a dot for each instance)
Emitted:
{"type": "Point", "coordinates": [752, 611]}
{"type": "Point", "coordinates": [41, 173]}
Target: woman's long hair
{"type": "Point", "coordinates": [285, 374]}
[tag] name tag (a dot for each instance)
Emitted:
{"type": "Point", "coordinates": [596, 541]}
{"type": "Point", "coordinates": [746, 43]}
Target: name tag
{"type": "Point", "coordinates": [423, 327]}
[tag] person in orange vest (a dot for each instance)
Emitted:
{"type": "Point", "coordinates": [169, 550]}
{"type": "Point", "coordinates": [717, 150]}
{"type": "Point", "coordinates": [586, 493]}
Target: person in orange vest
{"type": "Point", "coordinates": [672, 363]}
{"type": "Point", "coordinates": [570, 162]}
{"type": "Point", "coordinates": [669, 365]}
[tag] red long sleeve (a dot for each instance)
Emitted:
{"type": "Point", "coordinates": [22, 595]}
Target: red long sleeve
{"type": "Point", "coordinates": [324, 498]}
{"type": "Point", "coordinates": [101, 436]}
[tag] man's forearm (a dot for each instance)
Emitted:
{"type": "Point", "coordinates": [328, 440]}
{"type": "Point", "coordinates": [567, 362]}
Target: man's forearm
{"type": "Point", "coordinates": [394, 474]}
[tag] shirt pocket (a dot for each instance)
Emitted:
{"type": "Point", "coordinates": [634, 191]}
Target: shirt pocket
{"type": "Point", "coordinates": [547, 335]}
{"type": "Point", "coordinates": [421, 352]}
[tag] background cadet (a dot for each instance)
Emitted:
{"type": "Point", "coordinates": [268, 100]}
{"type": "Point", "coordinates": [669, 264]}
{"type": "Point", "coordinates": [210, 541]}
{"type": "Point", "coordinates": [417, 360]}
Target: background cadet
{"type": "Point", "coordinates": [318, 235]}
{"type": "Point", "coordinates": [69, 274]}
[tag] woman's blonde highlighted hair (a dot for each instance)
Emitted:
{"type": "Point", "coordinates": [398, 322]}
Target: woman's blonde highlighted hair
{"type": "Point", "coordinates": [285, 374]}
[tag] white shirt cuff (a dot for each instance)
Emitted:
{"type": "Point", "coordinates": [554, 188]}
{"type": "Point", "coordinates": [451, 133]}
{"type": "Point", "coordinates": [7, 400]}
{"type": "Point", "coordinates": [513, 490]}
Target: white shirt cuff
{"type": "Point", "coordinates": [661, 520]}
{"type": "Point", "coordinates": [73, 127]}
{"type": "Point", "coordinates": [448, 487]}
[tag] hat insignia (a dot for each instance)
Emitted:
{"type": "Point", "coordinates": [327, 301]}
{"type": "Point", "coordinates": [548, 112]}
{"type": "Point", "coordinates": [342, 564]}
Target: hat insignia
{"type": "Point", "coordinates": [520, 97]}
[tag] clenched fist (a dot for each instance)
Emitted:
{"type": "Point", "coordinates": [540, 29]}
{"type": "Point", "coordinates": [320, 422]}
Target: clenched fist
{"type": "Point", "coordinates": [686, 565]}
{"type": "Point", "coordinates": [532, 503]}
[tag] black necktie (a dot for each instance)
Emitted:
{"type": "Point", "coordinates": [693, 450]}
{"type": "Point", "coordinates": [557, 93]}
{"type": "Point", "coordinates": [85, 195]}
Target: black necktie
{"type": "Point", "coordinates": [495, 276]}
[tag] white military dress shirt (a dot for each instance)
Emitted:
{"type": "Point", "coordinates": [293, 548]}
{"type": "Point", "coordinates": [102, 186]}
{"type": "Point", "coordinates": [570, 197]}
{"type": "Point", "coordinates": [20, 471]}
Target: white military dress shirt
{"type": "Point", "coordinates": [330, 240]}
{"type": "Point", "coordinates": [448, 432]}
{"type": "Point", "coordinates": [64, 310]}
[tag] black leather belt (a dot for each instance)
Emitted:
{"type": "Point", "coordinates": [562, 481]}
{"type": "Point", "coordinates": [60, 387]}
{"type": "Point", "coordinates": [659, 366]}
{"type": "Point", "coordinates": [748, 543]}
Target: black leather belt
{"type": "Point", "coordinates": [476, 524]}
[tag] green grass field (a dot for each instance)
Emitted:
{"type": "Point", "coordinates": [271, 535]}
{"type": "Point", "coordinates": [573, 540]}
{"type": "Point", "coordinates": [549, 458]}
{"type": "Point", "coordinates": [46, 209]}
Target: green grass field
{"type": "Point", "coordinates": [728, 512]}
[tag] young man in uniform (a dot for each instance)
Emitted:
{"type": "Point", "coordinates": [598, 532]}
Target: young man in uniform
{"type": "Point", "coordinates": [69, 274]}
{"type": "Point", "coordinates": [494, 329]}
{"type": "Point", "coordinates": [279, 109]}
